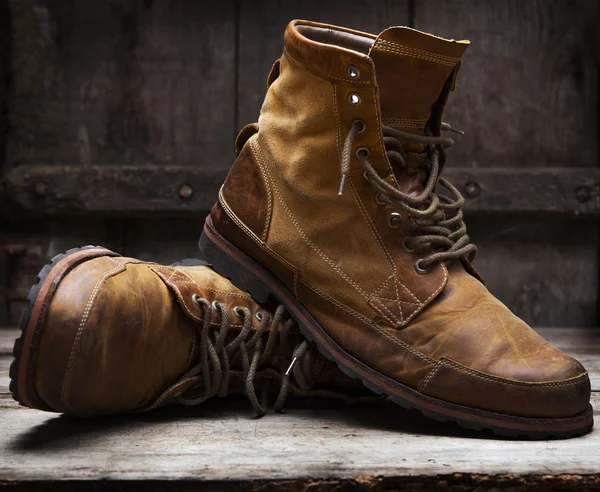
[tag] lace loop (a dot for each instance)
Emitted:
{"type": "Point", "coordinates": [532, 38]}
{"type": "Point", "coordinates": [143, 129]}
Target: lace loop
{"type": "Point", "coordinates": [213, 366]}
{"type": "Point", "coordinates": [437, 218]}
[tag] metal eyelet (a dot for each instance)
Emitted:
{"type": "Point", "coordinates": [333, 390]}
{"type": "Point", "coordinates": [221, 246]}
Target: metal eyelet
{"type": "Point", "coordinates": [196, 298]}
{"type": "Point", "coordinates": [354, 99]}
{"type": "Point", "coordinates": [362, 153]}
{"type": "Point", "coordinates": [394, 220]}
{"type": "Point", "coordinates": [215, 306]}
{"type": "Point", "coordinates": [361, 125]}
{"type": "Point", "coordinates": [405, 246]}
{"type": "Point", "coordinates": [379, 199]}
{"type": "Point", "coordinates": [353, 72]}
{"type": "Point", "coordinates": [419, 269]}
{"type": "Point", "coordinates": [238, 311]}
{"type": "Point", "coordinates": [259, 316]}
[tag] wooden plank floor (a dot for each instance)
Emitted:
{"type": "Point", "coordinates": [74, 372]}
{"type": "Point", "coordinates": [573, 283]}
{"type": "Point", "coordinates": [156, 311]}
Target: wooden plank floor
{"type": "Point", "coordinates": [221, 442]}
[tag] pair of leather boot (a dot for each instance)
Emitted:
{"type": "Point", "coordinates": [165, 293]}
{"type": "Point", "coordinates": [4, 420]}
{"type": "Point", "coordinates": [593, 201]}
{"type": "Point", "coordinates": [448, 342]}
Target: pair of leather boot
{"type": "Point", "coordinates": [336, 209]}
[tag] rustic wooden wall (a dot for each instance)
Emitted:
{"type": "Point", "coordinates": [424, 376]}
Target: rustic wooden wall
{"type": "Point", "coordinates": [118, 118]}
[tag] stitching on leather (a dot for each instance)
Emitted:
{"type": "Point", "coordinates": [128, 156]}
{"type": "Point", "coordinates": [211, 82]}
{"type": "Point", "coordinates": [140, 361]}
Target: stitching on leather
{"type": "Point", "coordinates": [252, 236]}
{"type": "Point", "coordinates": [314, 246]}
{"type": "Point", "coordinates": [429, 377]}
{"type": "Point", "coordinates": [382, 148]}
{"type": "Point", "coordinates": [404, 122]}
{"type": "Point", "coordinates": [509, 382]}
{"type": "Point", "coordinates": [177, 293]}
{"type": "Point", "coordinates": [338, 135]}
{"type": "Point", "coordinates": [316, 70]}
{"type": "Point", "coordinates": [383, 309]}
{"type": "Point", "coordinates": [193, 282]}
{"type": "Point", "coordinates": [269, 185]}
{"type": "Point", "coordinates": [397, 301]}
{"type": "Point", "coordinates": [396, 281]}
{"type": "Point", "coordinates": [382, 331]}
{"type": "Point", "coordinates": [432, 296]}
{"type": "Point", "coordinates": [364, 213]}
{"type": "Point", "coordinates": [119, 267]}
{"type": "Point", "coordinates": [400, 49]}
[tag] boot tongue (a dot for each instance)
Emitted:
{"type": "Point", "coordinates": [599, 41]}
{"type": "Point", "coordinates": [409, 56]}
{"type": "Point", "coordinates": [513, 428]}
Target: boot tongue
{"type": "Point", "coordinates": [412, 69]}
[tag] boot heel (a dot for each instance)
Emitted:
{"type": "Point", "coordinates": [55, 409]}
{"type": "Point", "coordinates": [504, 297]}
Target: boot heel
{"type": "Point", "coordinates": [230, 268]}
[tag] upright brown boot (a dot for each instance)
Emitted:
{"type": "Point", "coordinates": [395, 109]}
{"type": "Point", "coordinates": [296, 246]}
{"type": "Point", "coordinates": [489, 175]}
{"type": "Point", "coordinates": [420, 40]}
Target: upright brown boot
{"type": "Point", "coordinates": [107, 335]}
{"type": "Point", "coordinates": [335, 205]}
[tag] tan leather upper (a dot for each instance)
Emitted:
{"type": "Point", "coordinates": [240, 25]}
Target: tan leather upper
{"type": "Point", "coordinates": [442, 332]}
{"type": "Point", "coordinates": [119, 333]}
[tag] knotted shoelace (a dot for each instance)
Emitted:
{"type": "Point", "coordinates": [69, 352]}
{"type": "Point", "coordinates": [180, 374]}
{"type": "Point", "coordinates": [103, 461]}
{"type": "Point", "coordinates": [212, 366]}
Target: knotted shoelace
{"type": "Point", "coordinates": [215, 358]}
{"type": "Point", "coordinates": [436, 219]}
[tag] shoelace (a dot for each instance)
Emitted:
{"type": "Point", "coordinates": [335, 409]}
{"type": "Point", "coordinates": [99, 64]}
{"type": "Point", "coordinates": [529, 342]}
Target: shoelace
{"type": "Point", "coordinates": [215, 357]}
{"type": "Point", "coordinates": [437, 219]}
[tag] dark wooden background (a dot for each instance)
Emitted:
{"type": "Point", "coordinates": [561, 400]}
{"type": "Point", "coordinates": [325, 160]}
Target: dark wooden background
{"type": "Point", "coordinates": [117, 121]}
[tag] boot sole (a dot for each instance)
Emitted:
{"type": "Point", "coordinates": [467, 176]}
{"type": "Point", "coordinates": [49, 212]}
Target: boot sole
{"type": "Point", "coordinates": [247, 274]}
{"type": "Point", "coordinates": [32, 320]}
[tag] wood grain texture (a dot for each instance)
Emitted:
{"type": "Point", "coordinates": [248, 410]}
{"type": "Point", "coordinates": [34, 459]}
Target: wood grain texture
{"type": "Point", "coordinates": [135, 82]}
{"type": "Point", "coordinates": [220, 441]}
{"type": "Point", "coordinates": [543, 268]}
{"type": "Point", "coordinates": [528, 87]}
{"type": "Point", "coordinates": [127, 190]}
{"type": "Point", "coordinates": [263, 23]}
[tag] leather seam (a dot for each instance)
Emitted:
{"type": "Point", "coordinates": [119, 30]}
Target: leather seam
{"type": "Point", "coordinates": [119, 267]}
{"type": "Point", "coordinates": [429, 377]}
{"type": "Point", "coordinates": [257, 240]}
{"type": "Point", "coordinates": [268, 186]}
{"type": "Point", "coordinates": [314, 247]}
{"type": "Point", "coordinates": [364, 319]}
{"type": "Point", "coordinates": [338, 125]}
{"type": "Point", "coordinates": [371, 226]}
{"type": "Point", "coordinates": [432, 296]}
{"type": "Point", "coordinates": [317, 71]}
{"type": "Point", "coordinates": [509, 382]}
{"type": "Point", "coordinates": [399, 49]}
{"type": "Point", "coordinates": [394, 320]}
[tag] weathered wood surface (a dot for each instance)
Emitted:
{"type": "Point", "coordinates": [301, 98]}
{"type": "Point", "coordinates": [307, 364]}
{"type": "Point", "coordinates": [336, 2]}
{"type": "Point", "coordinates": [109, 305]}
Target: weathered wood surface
{"type": "Point", "coordinates": [138, 82]}
{"type": "Point", "coordinates": [528, 88]}
{"type": "Point", "coordinates": [221, 441]}
{"type": "Point", "coordinates": [126, 190]}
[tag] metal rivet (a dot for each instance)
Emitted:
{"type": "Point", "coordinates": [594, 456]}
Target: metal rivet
{"type": "Point", "coordinates": [394, 220]}
{"type": "Point", "coordinates": [353, 72]}
{"type": "Point", "coordinates": [582, 194]}
{"type": "Point", "coordinates": [419, 269]}
{"type": "Point", "coordinates": [186, 191]}
{"type": "Point", "coordinates": [354, 99]}
{"type": "Point", "coordinates": [472, 189]}
{"type": "Point", "coordinates": [41, 188]}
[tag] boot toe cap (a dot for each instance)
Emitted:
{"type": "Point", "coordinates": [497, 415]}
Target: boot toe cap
{"type": "Point", "coordinates": [561, 391]}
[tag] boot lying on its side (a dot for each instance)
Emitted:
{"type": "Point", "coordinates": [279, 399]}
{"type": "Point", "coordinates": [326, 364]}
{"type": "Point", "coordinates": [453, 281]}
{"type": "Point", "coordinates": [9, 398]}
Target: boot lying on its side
{"type": "Point", "coordinates": [104, 335]}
